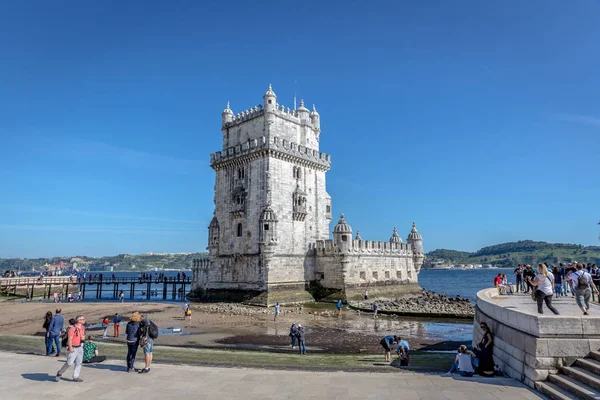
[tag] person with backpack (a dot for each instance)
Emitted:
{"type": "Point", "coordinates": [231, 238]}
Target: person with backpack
{"type": "Point", "coordinates": [75, 339]}
{"type": "Point", "coordinates": [148, 332]}
{"type": "Point", "coordinates": [105, 327]}
{"type": "Point", "coordinates": [583, 284]}
{"type": "Point", "coordinates": [300, 336]}
{"type": "Point", "coordinates": [54, 330]}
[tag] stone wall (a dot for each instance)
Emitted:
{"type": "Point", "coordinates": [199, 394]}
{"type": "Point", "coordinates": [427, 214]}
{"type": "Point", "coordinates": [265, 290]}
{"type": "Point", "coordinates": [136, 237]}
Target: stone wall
{"type": "Point", "coordinates": [529, 347]}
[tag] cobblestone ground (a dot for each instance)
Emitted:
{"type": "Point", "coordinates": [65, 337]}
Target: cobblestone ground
{"type": "Point", "coordinates": [32, 377]}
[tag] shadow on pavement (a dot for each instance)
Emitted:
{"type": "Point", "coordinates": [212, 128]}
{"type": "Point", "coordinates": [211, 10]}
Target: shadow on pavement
{"type": "Point", "coordinates": [39, 377]}
{"type": "Point", "coordinates": [110, 367]}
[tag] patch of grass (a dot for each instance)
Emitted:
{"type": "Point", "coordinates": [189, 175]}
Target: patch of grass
{"type": "Point", "coordinates": [420, 361]}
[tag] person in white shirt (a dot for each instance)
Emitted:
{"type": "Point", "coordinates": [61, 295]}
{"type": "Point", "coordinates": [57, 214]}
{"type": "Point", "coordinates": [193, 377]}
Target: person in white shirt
{"type": "Point", "coordinates": [582, 285]}
{"type": "Point", "coordinates": [463, 363]}
{"type": "Point", "coordinates": [544, 281]}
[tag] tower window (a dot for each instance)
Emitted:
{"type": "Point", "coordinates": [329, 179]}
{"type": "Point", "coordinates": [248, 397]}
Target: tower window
{"type": "Point", "coordinates": [328, 209]}
{"type": "Point", "coordinates": [344, 238]}
{"type": "Point", "coordinates": [239, 230]}
{"type": "Point", "coordinates": [266, 227]}
{"type": "Point", "coordinates": [269, 101]}
{"type": "Point", "coordinates": [241, 173]}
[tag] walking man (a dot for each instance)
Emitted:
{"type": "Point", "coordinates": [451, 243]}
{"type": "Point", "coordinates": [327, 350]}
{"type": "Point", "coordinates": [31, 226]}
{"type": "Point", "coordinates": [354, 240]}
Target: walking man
{"type": "Point", "coordinates": [583, 284]}
{"type": "Point", "coordinates": [339, 307]}
{"type": "Point", "coordinates": [116, 324]}
{"type": "Point", "coordinates": [75, 338]}
{"type": "Point", "coordinates": [54, 330]}
{"type": "Point", "coordinates": [277, 310]}
{"type": "Point", "coordinates": [122, 296]}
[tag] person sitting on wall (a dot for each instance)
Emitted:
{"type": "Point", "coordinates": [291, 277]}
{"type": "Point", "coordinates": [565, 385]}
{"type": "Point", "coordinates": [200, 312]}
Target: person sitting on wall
{"type": "Point", "coordinates": [484, 351]}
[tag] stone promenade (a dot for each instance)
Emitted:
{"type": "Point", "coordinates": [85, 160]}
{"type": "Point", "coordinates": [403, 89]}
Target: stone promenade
{"type": "Point", "coordinates": [32, 377]}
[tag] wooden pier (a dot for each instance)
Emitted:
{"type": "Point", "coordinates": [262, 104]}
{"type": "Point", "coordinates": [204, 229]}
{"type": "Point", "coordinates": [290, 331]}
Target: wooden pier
{"type": "Point", "coordinates": [178, 287]}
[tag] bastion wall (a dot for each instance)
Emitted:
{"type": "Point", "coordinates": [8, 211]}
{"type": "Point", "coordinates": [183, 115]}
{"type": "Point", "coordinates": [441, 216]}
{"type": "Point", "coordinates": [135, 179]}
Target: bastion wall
{"type": "Point", "coordinates": [528, 346]}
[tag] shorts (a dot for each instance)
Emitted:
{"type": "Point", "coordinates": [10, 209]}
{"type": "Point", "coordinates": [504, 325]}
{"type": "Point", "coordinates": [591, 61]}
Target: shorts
{"type": "Point", "coordinates": [385, 345]}
{"type": "Point", "coordinates": [148, 347]}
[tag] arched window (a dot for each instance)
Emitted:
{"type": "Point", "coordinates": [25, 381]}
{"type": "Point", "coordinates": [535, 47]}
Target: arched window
{"type": "Point", "coordinates": [239, 230]}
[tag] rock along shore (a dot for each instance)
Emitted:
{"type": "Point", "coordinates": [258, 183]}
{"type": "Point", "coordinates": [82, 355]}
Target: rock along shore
{"type": "Point", "coordinates": [429, 304]}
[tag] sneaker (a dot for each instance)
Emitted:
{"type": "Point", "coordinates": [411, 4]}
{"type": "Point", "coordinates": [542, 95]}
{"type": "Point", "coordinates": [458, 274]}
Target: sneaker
{"type": "Point", "coordinates": [136, 369]}
{"type": "Point", "coordinates": [447, 374]}
{"type": "Point", "coordinates": [77, 380]}
{"type": "Point", "coordinates": [58, 355]}
{"type": "Point", "coordinates": [585, 313]}
{"type": "Point", "coordinates": [144, 371]}
{"type": "Point", "coordinates": [58, 377]}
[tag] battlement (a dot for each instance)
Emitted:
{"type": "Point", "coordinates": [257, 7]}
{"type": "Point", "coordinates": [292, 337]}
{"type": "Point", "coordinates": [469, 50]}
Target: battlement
{"type": "Point", "coordinates": [282, 147]}
{"type": "Point", "coordinates": [200, 263]}
{"type": "Point", "coordinates": [246, 115]}
{"type": "Point", "coordinates": [327, 247]}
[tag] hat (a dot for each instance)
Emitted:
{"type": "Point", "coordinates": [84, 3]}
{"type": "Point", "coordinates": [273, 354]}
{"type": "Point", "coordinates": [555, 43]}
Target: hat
{"type": "Point", "coordinates": [299, 325]}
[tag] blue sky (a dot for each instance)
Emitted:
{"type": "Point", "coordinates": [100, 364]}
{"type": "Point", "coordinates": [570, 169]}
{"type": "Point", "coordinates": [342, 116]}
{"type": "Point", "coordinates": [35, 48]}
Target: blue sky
{"type": "Point", "coordinates": [478, 120]}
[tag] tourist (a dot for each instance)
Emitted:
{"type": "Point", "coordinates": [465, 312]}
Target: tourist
{"type": "Point", "coordinates": [563, 273]}
{"type": "Point", "coordinates": [146, 343]}
{"type": "Point", "coordinates": [403, 351]}
{"type": "Point", "coordinates": [558, 281]}
{"type": "Point", "coordinates": [519, 277]}
{"type": "Point", "coordinates": [527, 275]}
{"type": "Point", "coordinates": [277, 310]}
{"type": "Point", "coordinates": [485, 351]}
{"type": "Point", "coordinates": [374, 310]}
{"type": "Point", "coordinates": [188, 312]}
{"type": "Point", "coordinates": [90, 352]}
{"type": "Point", "coordinates": [55, 297]}
{"type": "Point", "coordinates": [55, 328]}
{"type": "Point", "coordinates": [293, 333]}
{"type": "Point", "coordinates": [76, 335]}
{"type": "Point", "coordinates": [339, 307]}
{"type": "Point", "coordinates": [387, 342]}
{"type": "Point", "coordinates": [105, 324]}
{"type": "Point", "coordinates": [49, 342]}
{"type": "Point", "coordinates": [132, 330]}
{"type": "Point", "coordinates": [583, 285]}
{"type": "Point", "coordinates": [116, 325]}
{"type": "Point", "coordinates": [544, 281]}
{"type": "Point", "coordinates": [366, 294]}
{"type": "Point", "coordinates": [122, 296]}
{"type": "Point", "coordinates": [498, 283]}
{"type": "Point", "coordinates": [300, 336]}
{"type": "Point", "coordinates": [463, 363]}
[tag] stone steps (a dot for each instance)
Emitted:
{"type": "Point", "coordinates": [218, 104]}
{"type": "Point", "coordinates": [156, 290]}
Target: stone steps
{"type": "Point", "coordinates": [579, 381]}
{"type": "Point", "coordinates": [571, 385]}
{"type": "Point", "coordinates": [553, 391]}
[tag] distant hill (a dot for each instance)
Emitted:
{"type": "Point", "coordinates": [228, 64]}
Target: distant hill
{"type": "Point", "coordinates": [121, 262]}
{"type": "Point", "coordinates": [521, 252]}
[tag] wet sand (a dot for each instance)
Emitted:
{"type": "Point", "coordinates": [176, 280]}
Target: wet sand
{"type": "Point", "coordinates": [230, 326]}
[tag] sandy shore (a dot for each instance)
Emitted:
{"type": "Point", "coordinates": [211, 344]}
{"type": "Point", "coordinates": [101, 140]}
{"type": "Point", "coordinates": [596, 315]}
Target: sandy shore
{"type": "Point", "coordinates": [234, 326]}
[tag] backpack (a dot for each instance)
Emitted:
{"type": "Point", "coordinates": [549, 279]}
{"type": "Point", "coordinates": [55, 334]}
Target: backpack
{"type": "Point", "coordinates": [152, 330]}
{"type": "Point", "coordinates": [582, 283]}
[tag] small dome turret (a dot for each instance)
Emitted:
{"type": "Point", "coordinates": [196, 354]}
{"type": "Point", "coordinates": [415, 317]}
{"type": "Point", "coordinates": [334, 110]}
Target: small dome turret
{"type": "Point", "coordinates": [270, 99]}
{"type": "Point", "coordinates": [227, 115]}
{"type": "Point", "coordinates": [315, 118]}
{"type": "Point", "coordinates": [414, 234]}
{"type": "Point", "coordinates": [342, 226]}
{"type": "Point", "coordinates": [302, 111]}
{"type": "Point", "coordinates": [395, 237]}
{"type": "Point", "coordinates": [268, 215]}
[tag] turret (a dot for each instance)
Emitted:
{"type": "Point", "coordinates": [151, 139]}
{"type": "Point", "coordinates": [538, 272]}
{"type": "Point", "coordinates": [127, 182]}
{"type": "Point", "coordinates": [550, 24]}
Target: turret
{"type": "Point", "coordinates": [342, 234]}
{"type": "Point", "coordinates": [270, 100]}
{"type": "Point", "coordinates": [357, 236]}
{"type": "Point", "coordinates": [315, 118]}
{"type": "Point", "coordinates": [303, 112]}
{"type": "Point", "coordinates": [268, 226]}
{"type": "Point", "coordinates": [213, 236]}
{"type": "Point", "coordinates": [416, 243]}
{"type": "Point", "coordinates": [227, 115]}
{"type": "Point", "coordinates": [395, 237]}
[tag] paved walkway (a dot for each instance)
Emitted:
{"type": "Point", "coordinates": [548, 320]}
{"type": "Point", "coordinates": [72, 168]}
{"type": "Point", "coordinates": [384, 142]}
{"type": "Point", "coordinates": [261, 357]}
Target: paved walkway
{"type": "Point", "coordinates": [32, 377]}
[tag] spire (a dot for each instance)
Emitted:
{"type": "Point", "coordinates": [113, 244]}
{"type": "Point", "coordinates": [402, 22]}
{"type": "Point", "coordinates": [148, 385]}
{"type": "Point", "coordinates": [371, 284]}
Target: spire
{"type": "Point", "coordinates": [414, 233]}
{"type": "Point", "coordinates": [357, 236]}
{"type": "Point", "coordinates": [227, 109]}
{"type": "Point", "coordinates": [270, 91]}
{"type": "Point", "coordinates": [302, 108]}
{"type": "Point", "coordinates": [314, 111]}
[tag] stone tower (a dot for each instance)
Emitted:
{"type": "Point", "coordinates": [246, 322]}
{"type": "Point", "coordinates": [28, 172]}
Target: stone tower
{"type": "Point", "coordinates": [270, 200]}
{"type": "Point", "coordinates": [268, 240]}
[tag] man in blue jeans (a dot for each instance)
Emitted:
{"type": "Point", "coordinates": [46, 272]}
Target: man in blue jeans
{"type": "Point", "coordinates": [54, 330]}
